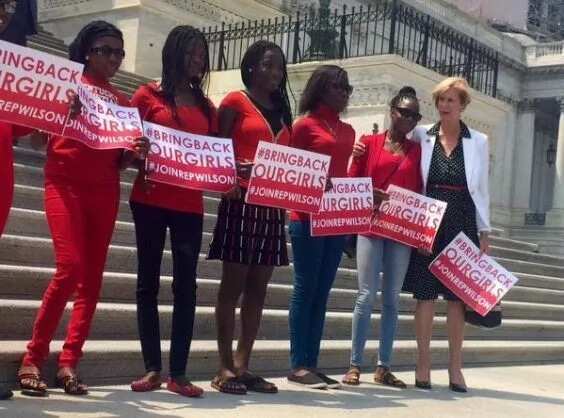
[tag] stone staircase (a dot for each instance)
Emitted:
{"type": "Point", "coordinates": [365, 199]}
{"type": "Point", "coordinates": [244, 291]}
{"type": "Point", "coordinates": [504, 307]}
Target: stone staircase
{"type": "Point", "coordinates": [533, 329]}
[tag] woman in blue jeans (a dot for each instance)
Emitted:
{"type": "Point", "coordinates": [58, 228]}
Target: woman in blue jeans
{"type": "Point", "coordinates": [316, 259]}
{"type": "Point", "coordinates": [388, 158]}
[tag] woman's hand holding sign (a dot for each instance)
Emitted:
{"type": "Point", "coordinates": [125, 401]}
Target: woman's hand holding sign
{"type": "Point", "coordinates": [379, 197]}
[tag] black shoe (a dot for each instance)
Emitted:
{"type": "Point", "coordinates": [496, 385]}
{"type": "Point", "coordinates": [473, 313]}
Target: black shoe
{"type": "Point", "coordinates": [331, 383]}
{"type": "Point", "coordinates": [421, 384]}
{"type": "Point", "coordinates": [5, 393]}
{"type": "Point", "coordinates": [310, 380]}
{"type": "Point", "coordinates": [455, 387]}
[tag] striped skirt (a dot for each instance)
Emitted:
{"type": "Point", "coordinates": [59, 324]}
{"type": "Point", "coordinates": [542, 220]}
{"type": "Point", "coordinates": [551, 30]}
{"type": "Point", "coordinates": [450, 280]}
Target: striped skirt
{"type": "Point", "coordinates": [249, 234]}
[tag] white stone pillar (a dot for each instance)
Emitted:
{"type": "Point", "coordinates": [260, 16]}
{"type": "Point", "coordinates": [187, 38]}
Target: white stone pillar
{"type": "Point", "coordinates": [556, 215]}
{"type": "Point", "coordinates": [523, 161]}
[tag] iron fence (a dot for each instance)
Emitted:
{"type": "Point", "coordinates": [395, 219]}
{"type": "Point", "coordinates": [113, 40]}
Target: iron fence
{"type": "Point", "coordinates": [385, 27]}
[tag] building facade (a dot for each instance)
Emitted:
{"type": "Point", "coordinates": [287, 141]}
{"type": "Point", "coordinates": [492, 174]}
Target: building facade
{"type": "Point", "coordinates": [518, 102]}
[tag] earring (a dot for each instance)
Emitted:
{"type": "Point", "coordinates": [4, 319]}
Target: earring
{"type": "Point", "coordinates": [87, 57]}
{"type": "Point", "coordinates": [250, 70]}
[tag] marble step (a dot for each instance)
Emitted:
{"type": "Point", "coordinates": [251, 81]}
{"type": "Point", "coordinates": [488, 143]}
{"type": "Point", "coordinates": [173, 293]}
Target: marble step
{"type": "Point", "coordinates": [33, 251]}
{"type": "Point", "coordinates": [25, 283]}
{"type": "Point", "coordinates": [28, 197]}
{"type": "Point", "coordinates": [112, 362]}
{"type": "Point", "coordinates": [118, 321]}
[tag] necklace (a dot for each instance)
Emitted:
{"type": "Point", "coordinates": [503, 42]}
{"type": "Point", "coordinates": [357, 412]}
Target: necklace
{"type": "Point", "coordinates": [393, 146]}
{"type": "Point", "coordinates": [329, 128]}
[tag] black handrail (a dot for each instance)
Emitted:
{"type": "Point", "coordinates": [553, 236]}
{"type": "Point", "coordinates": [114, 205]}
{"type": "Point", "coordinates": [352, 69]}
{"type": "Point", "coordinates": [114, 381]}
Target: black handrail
{"type": "Point", "coordinates": [384, 27]}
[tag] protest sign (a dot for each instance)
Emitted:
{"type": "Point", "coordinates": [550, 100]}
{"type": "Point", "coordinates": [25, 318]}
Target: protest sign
{"type": "Point", "coordinates": [103, 124]}
{"type": "Point", "coordinates": [36, 88]}
{"type": "Point", "coordinates": [189, 160]}
{"type": "Point", "coordinates": [288, 178]}
{"type": "Point", "coordinates": [345, 209]}
{"type": "Point", "coordinates": [409, 218]}
{"type": "Point", "coordinates": [477, 279]}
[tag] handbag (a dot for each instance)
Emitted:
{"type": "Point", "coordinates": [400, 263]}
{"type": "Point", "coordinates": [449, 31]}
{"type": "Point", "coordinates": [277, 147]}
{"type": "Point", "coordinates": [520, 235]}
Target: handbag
{"type": "Point", "coordinates": [492, 319]}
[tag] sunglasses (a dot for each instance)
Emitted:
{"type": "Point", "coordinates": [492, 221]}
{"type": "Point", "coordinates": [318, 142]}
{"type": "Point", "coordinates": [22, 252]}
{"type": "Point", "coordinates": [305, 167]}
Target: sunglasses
{"type": "Point", "coordinates": [345, 87]}
{"type": "Point", "coordinates": [107, 51]}
{"type": "Point", "coordinates": [408, 114]}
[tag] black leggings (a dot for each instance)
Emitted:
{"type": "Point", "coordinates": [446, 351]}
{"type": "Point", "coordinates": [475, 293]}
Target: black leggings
{"type": "Point", "coordinates": [151, 223]}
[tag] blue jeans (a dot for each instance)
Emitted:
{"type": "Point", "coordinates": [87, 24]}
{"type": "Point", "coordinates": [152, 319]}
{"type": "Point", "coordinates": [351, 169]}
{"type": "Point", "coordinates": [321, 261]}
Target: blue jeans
{"type": "Point", "coordinates": [375, 255]}
{"type": "Point", "coordinates": [316, 260]}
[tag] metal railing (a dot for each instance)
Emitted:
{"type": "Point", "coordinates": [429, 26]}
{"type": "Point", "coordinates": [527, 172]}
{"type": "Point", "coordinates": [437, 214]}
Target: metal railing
{"type": "Point", "coordinates": [386, 27]}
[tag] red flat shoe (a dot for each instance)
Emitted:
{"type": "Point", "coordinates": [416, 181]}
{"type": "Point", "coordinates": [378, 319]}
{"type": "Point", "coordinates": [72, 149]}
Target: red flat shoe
{"type": "Point", "coordinates": [143, 385]}
{"type": "Point", "coordinates": [189, 390]}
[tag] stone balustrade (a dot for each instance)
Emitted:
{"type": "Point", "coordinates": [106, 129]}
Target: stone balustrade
{"type": "Point", "coordinates": [550, 53]}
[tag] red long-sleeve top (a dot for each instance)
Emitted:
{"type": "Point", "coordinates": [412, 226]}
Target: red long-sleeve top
{"type": "Point", "coordinates": [386, 168]}
{"type": "Point", "coordinates": [154, 108]}
{"type": "Point", "coordinates": [322, 131]}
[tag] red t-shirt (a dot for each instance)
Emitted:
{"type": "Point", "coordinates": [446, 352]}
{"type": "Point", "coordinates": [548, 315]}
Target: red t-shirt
{"type": "Point", "coordinates": [386, 168]}
{"type": "Point", "coordinates": [154, 108]}
{"type": "Point", "coordinates": [250, 127]}
{"type": "Point", "coordinates": [322, 131]}
{"type": "Point", "coordinates": [69, 160]}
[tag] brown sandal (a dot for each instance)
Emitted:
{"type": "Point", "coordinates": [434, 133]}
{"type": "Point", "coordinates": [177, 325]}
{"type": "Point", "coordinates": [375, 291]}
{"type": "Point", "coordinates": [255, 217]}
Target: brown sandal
{"type": "Point", "coordinates": [388, 379]}
{"type": "Point", "coordinates": [72, 385]}
{"type": "Point", "coordinates": [31, 384]}
{"type": "Point", "coordinates": [352, 377]}
{"type": "Point", "coordinates": [230, 385]}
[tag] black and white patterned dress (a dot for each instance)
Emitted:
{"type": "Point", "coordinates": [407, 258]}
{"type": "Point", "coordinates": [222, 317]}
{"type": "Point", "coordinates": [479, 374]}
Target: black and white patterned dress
{"type": "Point", "coordinates": [460, 216]}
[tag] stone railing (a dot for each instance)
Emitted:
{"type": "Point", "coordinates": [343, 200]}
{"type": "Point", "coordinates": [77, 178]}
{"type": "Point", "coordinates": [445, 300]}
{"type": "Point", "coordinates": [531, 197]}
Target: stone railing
{"type": "Point", "coordinates": [551, 53]}
{"type": "Point", "coordinates": [54, 4]}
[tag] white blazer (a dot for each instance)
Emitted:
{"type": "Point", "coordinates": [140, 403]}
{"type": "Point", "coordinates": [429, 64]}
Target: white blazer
{"type": "Point", "coordinates": [476, 165]}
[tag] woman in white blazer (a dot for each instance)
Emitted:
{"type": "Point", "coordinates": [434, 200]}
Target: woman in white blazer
{"type": "Point", "coordinates": [454, 167]}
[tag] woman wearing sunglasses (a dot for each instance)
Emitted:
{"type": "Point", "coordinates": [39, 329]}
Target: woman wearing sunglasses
{"type": "Point", "coordinates": [316, 259]}
{"type": "Point", "coordinates": [81, 202]}
{"type": "Point", "coordinates": [388, 158]}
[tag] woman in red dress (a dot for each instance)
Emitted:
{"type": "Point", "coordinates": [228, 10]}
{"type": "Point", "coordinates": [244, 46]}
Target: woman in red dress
{"type": "Point", "coordinates": [249, 239]}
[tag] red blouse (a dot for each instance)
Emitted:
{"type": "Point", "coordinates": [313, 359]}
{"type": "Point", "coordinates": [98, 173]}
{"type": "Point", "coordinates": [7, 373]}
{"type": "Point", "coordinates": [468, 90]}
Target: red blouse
{"type": "Point", "coordinates": [322, 131]}
{"type": "Point", "coordinates": [153, 108]}
{"type": "Point", "coordinates": [71, 161]}
{"type": "Point", "coordinates": [386, 168]}
{"type": "Point", "coordinates": [250, 127]}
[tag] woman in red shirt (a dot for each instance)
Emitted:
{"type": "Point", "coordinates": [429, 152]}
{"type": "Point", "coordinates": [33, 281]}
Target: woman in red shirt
{"type": "Point", "coordinates": [389, 158]}
{"type": "Point", "coordinates": [177, 102]}
{"type": "Point", "coordinates": [316, 259]}
{"type": "Point", "coordinates": [81, 203]}
{"type": "Point", "coordinates": [249, 239]}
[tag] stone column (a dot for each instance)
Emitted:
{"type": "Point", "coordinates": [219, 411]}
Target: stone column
{"type": "Point", "coordinates": [523, 162]}
{"type": "Point", "coordinates": [556, 215]}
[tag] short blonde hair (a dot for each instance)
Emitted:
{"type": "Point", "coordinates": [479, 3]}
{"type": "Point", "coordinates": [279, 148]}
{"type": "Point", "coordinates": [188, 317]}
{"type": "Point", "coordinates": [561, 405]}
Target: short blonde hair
{"type": "Point", "coordinates": [457, 83]}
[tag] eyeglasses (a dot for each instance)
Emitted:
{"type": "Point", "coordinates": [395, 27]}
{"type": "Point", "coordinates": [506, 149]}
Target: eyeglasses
{"type": "Point", "coordinates": [346, 87]}
{"type": "Point", "coordinates": [408, 114]}
{"type": "Point", "coordinates": [108, 51]}
{"type": "Point", "coordinates": [9, 6]}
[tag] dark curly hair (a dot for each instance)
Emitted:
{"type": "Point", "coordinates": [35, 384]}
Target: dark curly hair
{"type": "Point", "coordinates": [251, 59]}
{"type": "Point", "coordinates": [318, 84]}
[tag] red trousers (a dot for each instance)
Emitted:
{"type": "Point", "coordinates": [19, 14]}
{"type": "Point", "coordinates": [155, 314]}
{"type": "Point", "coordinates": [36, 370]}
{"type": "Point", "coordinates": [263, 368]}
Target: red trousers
{"type": "Point", "coordinates": [81, 219]}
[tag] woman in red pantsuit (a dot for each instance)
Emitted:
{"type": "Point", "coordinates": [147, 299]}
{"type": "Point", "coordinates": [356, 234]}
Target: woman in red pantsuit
{"type": "Point", "coordinates": [81, 203]}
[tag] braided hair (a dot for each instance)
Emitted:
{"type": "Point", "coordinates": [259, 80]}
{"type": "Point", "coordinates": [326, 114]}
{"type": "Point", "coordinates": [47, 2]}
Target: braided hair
{"type": "Point", "coordinates": [175, 49]}
{"type": "Point", "coordinates": [80, 46]}
{"type": "Point", "coordinates": [317, 85]}
{"type": "Point", "coordinates": [251, 59]}
{"type": "Point", "coordinates": [405, 93]}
